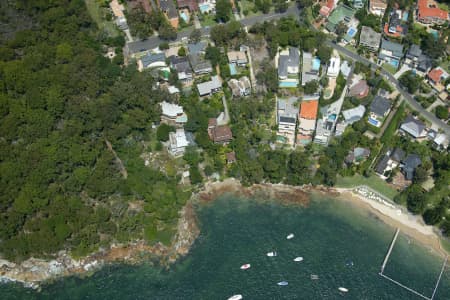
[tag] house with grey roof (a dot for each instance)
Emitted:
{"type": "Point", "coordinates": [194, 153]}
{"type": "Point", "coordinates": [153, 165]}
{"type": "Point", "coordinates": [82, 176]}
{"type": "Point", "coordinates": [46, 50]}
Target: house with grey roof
{"type": "Point", "coordinates": [353, 115]}
{"type": "Point", "coordinates": [287, 114]}
{"type": "Point", "coordinates": [209, 87]}
{"type": "Point", "coordinates": [413, 127]}
{"type": "Point", "coordinates": [197, 48]}
{"type": "Point", "coordinates": [379, 108]}
{"type": "Point", "coordinates": [369, 38]}
{"type": "Point", "coordinates": [241, 87]}
{"type": "Point", "coordinates": [390, 53]}
{"type": "Point", "coordinates": [357, 155]}
{"type": "Point", "coordinates": [288, 65]}
{"type": "Point", "coordinates": [310, 68]}
{"type": "Point", "coordinates": [184, 70]}
{"type": "Point", "coordinates": [409, 165]}
{"type": "Point", "coordinates": [389, 161]}
{"type": "Point", "coordinates": [152, 60]}
{"type": "Point", "coordinates": [199, 64]}
{"type": "Point", "coordinates": [415, 59]}
{"type": "Point", "coordinates": [382, 165]}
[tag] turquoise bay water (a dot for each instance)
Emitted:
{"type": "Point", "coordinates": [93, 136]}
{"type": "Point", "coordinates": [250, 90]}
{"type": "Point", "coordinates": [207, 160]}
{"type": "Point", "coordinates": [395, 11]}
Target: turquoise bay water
{"type": "Point", "coordinates": [329, 234]}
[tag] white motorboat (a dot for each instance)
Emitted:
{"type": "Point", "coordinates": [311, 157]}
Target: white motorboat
{"type": "Point", "coordinates": [283, 283]}
{"type": "Point", "coordinates": [245, 267]}
{"type": "Point", "coordinates": [235, 297]}
{"type": "Point", "coordinates": [272, 254]}
{"type": "Point", "coordinates": [290, 236]}
{"type": "Point", "coordinates": [343, 289]}
{"type": "Point", "coordinates": [314, 277]}
{"type": "Point", "coordinates": [298, 258]}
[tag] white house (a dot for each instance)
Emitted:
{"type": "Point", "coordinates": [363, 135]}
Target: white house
{"type": "Point", "coordinates": [177, 142]}
{"type": "Point", "coordinates": [334, 66]}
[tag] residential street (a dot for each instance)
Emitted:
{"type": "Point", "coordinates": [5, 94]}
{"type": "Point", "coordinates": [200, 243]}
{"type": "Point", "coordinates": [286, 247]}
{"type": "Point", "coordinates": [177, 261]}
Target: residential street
{"type": "Point", "coordinates": [408, 98]}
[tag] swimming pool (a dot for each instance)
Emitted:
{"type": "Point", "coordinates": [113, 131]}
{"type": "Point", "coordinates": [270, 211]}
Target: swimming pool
{"type": "Point", "coordinates": [352, 31]}
{"type": "Point", "coordinates": [394, 63]}
{"type": "Point", "coordinates": [288, 84]}
{"type": "Point", "coordinates": [233, 70]}
{"type": "Point", "coordinates": [332, 117]}
{"type": "Point", "coordinates": [316, 64]}
{"type": "Point", "coordinates": [184, 16]}
{"type": "Point", "coordinates": [374, 122]}
{"type": "Point", "coordinates": [435, 33]}
{"type": "Point", "coordinates": [405, 16]}
{"type": "Point", "coordinates": [204, 8]}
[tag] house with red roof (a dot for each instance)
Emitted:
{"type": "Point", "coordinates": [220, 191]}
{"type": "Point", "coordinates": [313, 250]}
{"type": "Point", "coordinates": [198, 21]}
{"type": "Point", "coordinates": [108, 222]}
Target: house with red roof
{"type": "Point", "coordinates": [428, 12]}
{"type": "Point", "coordinates": [436, 77]}
{"type": "Point", "coordinates": [307, 121]}
{"type": "Point", "coordinates": [327, 8]}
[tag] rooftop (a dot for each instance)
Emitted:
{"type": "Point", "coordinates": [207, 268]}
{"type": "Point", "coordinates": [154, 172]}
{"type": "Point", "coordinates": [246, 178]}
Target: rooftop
{"type": "Point", "coordinates": [395, 48]}
{"type": "Point", "coordinates": [308, 109]}
{"type": "Point", "coordinates": [369, 37]}
{"type": "Point", "coordinates": [170, 109]}
{"type": "Point", "coordinates": [380, 105]}
{"type": "Point", "coordinates": [429, 9]}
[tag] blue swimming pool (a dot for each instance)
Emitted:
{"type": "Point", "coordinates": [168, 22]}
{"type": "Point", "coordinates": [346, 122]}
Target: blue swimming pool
{"type": "Point", "coordinates": [332, 117]}
{"type": "Point", "coordinates": [287, 84]}
{"type": "Point", "coordinates": [184, 17]}
{"type": "Point", "coordinates": [373, 122]}
{"type": "Point", "coordinates": [316, 64]}
{"type": "Point", "coordinates": [233, 70]}
{"type": "Point", "coordinates": [394, 63]}
{"type": "Point", "coordinates": [204, 8]}
{"type": "Point", "coordinates": [435, 33]}
{"type": "Point", "coordinates": [352, 31]}
{"type": "Point", "coordinates": [405, 16]}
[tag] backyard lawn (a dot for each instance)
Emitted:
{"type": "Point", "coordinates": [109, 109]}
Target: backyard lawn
{"type": "Point", "coordinates": [97, 13]}
{"type": "Point", "coordinates": [391, 69]}
{"type": "Point", "coordinates": [373, 182]}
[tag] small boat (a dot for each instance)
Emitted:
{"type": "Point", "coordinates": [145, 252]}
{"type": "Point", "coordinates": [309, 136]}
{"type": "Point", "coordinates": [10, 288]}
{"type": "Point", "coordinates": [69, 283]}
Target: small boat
{"type": "Point", "coordinates": [272, 254]}
{"type": "Point", "coordinates": [290, 236]}
{"type": "Point", "coordinates": [298, 258]}
{"type": "Point", "coordinates": [245, 267]}
{"type": "Point", "coordinates": [283, 283]}
{"type": "Point", "coordinates": [314, 277]}
{"type": "Point", "coordinates": [343, 289]}
{"type": "Point", "coordinates": [235, 297]}
{"type": "Point", "coordinates": [349, 263]}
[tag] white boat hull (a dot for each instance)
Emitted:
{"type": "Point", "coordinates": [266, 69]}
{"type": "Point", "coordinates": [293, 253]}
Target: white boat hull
{"type": "Point", "coordinates": [235, 297]}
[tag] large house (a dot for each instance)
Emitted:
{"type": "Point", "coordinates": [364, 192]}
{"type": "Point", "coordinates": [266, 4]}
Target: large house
{"type": "Point", "coordinates": [199, 64]}
{"type": "Point", "coordinates": [210, 87]}
{"type": "Point", "coordinates": [428, 12]}
{"type": "Point", "coordinates": [413, 127]}
{"type": "Point", "coordinates": [357, 155]}
{"type": "Point", "coordinates": [181, 65]}
{"type": "Point", "coordinates": [359, 89]}
{"type": "Point", "coordinates": [219, 134]}
{"type": "Point", "coordinates": [172, 114]}
{"type": "Point", "coordinates": [241, 87]}
{"type": "Point", "coordinates": [389, 161]}
{"type": "Point", "coordinates": [310, 68]}
{"type": "Point", "coordinates": [287, 119]}
{"type": "Point", "coordinates": [390, 53]}
{"type": "Point", "coordinates": [170, 11]}
{"type": "Point", "coordinates": [334, 67]}
{"type": "Point", "coordinates": [409, 165]}
{"type": "Point", "coordinates": [152, 60]}
{"type": "Point", "coordinates": [327, 8]}
{"type": "Point", "coordinates": [177, 142]}
{"type": "Point", "coordinates": [379, 108]}
{"type": "Point", "coordinates": [353, 115]}
{"type": "Point", "coordinates": [418, 61]}
{"type": "Point", "coordinates": [436, 77]}
{"type": "Point", "coordinates": [237, 57]}
{"type": "Point", "coordinates": [192, 5]}
{"type": "Point", "coordinates": [307, 121]}
{"type": "Point", "coordinates": [377, 7]}
{"type": "Point", "coordinates": [288, 67]}
{"type": "Point", "coordinates": [369, 38]}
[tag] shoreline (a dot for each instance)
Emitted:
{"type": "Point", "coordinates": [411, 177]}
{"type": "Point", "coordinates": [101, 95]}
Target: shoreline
{"type": "Point", "coordinates": [34, 272]}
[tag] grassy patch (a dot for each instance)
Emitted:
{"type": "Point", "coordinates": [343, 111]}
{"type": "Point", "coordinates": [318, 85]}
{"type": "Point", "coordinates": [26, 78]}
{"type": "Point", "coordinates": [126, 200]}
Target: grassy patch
{"type": "Point", "coordinates": [373, 182]}
{"type": "Point", "coordinates": [443, 6]}
{"type": "Point", "coordinates": [390, 68]}
{"type": "Point", "coordinates": [98, 14]}
{"type": "Point", "coordinates": [395, 123]}
{"type": "Point", "coordinates": [351, 48]}
{"type": "Point", "coordinates": [207, 20]}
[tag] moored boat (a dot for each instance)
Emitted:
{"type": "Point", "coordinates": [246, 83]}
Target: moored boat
{"type": "Point", "coordinates": [245, 267]}
{"type": "Point", "coordinates": [290, 236]}
{"type": "Point", "coordinates": [298, 258]}
{"type": "Point", "coordinates": [271, 254]}
{"type": "Point", "coordinates": [283, 283]}
{"type": "Point", "coordinates": [235, 297]}
{"type": "Point", "coordinates": [314, 277]}
{"type": "Point", "coordinates": [343, 289]}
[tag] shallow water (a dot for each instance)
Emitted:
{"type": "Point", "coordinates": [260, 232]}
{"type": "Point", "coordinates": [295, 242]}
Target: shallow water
{"type": "Point", "coordinates": [341, 243]}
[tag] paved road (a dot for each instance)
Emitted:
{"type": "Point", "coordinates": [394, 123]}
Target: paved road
{"type": "Point", "coordinates": [154, 41]}
{"type": "Point", "coordinates": [408, 98]}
